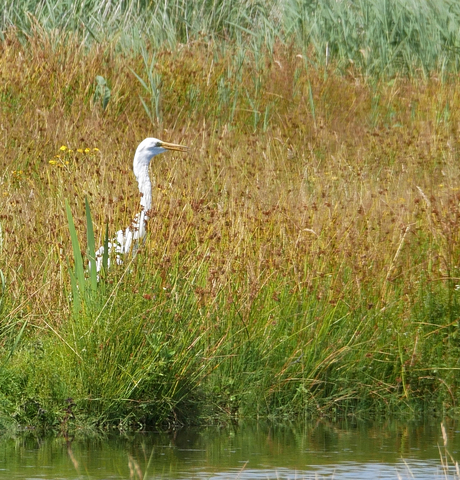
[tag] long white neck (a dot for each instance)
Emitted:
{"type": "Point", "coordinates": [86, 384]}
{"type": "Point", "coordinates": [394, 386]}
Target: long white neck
{"type": "Point", "coordinates": [145, 185]}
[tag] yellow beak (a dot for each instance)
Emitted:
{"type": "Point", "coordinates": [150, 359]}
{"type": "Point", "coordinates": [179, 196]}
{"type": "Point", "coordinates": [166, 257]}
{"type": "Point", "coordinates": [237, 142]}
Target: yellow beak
{"type": "Point", "coordinates": [173, 146]}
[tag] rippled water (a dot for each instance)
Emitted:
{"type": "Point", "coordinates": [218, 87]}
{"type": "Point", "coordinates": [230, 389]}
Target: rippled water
{"type": "Point", "coordinates": [343, 450]}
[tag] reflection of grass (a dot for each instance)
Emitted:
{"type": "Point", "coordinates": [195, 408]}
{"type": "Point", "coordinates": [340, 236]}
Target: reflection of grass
{"type": "Point", "coordinates": [450, 466]}
{"type": "Point", "coordinates": [310, 266]}
{"type": "Point", "coordinates": [398, 468]}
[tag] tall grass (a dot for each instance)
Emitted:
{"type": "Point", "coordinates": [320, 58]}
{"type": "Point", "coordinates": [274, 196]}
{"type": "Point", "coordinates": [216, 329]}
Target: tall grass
{"type": "Point", "coordinates": [383, 37]}
{"type": "Point", "coordinates": [301, 259]}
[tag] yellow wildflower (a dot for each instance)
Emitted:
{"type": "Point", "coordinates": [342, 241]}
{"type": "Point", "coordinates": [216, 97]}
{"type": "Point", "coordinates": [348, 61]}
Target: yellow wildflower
{"type": "Point", "coordinates": [63, 148]}
{"type": "Point", "coordinates": [80, 150]}
{"type": "Point", "coordinates": [87, 150]}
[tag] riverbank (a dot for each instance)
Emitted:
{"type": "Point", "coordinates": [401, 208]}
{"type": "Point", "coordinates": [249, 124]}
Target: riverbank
{"type": "Point", "coordinates": [302, 258]}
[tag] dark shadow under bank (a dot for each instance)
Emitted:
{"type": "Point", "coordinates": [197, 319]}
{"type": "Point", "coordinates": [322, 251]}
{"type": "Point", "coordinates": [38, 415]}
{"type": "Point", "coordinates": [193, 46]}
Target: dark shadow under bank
{"type": "Point", "coordinates": [72, 421]}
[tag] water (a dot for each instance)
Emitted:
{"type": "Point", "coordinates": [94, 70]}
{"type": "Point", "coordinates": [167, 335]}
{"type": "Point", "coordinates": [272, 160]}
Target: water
{"type": "Point", "coordinates": [343, 450]}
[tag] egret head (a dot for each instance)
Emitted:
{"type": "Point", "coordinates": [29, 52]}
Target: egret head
{"type": "Point", "coordinates": [150, 147]}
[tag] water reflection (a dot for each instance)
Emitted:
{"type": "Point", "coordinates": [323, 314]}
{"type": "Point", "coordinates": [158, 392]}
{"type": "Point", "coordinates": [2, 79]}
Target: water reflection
{"type": "Point", "coordinates": [347, 450]}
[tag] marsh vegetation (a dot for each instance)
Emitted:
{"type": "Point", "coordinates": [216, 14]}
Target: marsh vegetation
{"type": "Point", "coordinates": [301, 259]}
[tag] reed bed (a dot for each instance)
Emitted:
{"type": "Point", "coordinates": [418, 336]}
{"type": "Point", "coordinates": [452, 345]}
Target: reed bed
{"type": "Point", "coordinates": [302, 258]}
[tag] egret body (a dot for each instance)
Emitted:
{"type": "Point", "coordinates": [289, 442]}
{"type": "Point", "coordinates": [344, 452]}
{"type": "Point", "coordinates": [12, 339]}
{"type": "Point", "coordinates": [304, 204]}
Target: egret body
{"type": "Point", "coordinates": [126, 240]}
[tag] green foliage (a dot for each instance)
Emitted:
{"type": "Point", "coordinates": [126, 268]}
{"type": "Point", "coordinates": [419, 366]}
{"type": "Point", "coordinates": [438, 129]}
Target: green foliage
{"type": "Point", "coordinates": [102, 92]}
{"type": "Point", "coordinates": [152, 86]}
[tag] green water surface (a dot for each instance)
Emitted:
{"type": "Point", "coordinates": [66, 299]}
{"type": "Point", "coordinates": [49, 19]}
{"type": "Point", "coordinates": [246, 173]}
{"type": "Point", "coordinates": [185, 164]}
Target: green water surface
{"type": "Point", "coordinates": [322, 449]}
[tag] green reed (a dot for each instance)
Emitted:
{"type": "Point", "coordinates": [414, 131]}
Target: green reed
{"type": "Point", "coordinates": [381, 38]}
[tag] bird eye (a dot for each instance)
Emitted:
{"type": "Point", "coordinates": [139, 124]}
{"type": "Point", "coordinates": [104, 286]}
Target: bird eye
{"type": "Point", "coordinates": [158, 144]}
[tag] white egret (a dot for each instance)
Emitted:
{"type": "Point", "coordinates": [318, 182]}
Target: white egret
{"type": "Point", "coordinates": [125, 240]}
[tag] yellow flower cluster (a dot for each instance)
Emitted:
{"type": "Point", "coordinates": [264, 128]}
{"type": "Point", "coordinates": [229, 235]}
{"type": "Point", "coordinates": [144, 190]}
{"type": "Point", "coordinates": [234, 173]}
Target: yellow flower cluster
{"type": "Point", "coordinates": [62, 159]}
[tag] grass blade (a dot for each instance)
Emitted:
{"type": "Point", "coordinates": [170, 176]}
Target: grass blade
{"type": "Point", "coordinates": [2, 291]}
{"type": "Point", "coordinates": [91, 247]}
{"type": "Point", "coordinates": [79, 272]}
{"type": "Point", "coordinates": [105, 257]}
